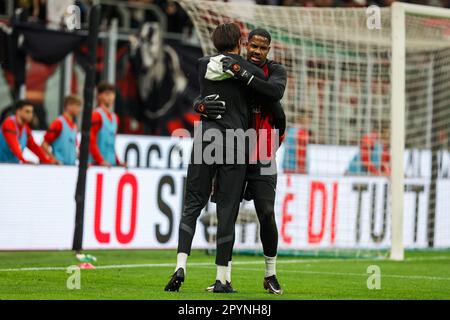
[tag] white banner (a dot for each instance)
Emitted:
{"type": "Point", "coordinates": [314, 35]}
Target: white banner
{"type": "Point", "coordinates": [173, 153]}
{"type": "Point", "coordinates": [353, 212]}
{"type": "Point", "coordinates": [141, 208]}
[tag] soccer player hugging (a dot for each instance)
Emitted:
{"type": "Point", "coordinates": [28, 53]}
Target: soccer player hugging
{"type": "Point", "coordinates": [239, 96]}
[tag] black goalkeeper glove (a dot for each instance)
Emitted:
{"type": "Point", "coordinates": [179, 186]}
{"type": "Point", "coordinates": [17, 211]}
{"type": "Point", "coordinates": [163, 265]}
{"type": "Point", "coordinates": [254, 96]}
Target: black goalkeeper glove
{"type": "Point", "coordinates": [210, 106]}
{"type": "Point", "coordinates": [230, 64]}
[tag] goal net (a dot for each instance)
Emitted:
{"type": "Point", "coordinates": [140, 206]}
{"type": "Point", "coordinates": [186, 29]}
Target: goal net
{"type": "Point", "coordinates": [365, 164]}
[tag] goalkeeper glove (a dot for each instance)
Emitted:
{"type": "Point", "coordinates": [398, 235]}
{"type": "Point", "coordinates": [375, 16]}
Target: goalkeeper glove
{"type": "Point", "coordinates": [230, 64]}
{"type": "Point", "coordinates": [210, 106]}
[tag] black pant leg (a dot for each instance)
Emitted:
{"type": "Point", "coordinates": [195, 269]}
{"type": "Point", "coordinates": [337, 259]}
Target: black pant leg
{"type": "Point", "coordinates": [229, 190]}
{"type": "Point", "coordinates": [268, 226]}
{"type": "Point", "coordinates": [198, 189]}
{"type": "Point", "coordinates": [261, 188]}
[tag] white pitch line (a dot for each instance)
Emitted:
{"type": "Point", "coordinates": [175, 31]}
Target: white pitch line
{"type": "Point", "coordinates": [199, 264]}
{"type": "Point", "coordinates": [356, 274]}
{"type": "Point", "coordinates": [34, 269]}
{"type": "Point", "coordinates": [150, 265]}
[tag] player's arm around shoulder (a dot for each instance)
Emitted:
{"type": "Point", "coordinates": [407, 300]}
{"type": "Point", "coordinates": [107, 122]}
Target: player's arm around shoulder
{"type": "Point", "coordinates": [278, 77]}
{"type": "Point", "coordinates": [250, 67]}
{"type": "Point", "coordinates": [277, 70]}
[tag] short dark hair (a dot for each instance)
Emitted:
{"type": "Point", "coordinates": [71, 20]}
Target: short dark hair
{"type": "Point", "coordinates": [260, 32]}
{"type": "Point", "coordinates": [22, 103]}
{"type": "Point", "coordinates": [226, 37]}
{"type": "Point", "coordinates": [105, 86]}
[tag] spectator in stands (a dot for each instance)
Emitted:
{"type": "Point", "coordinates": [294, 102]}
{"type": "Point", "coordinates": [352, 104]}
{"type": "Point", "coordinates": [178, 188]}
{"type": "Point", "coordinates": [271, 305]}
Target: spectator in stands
{"type": "Point", "coordinates": [373, 157]}
{"type": "Point", "coordinates": [30, 10]}
{"type": "Point", "coordinates": [444, 3]}
{"type": "Point", "coordinates": [62, 133]}
{"type": "Point", "coordinates": [291, 3]}
{"type": "Point", "coordinates": [381, 3]}
{"type": "Point", "coordinates": [295, 145]}
{"type": "Point", "coordinates": [177, 18]}
{"type": "Point", "coordinates": [15, 135]}
{"type": "Point", "coordinates": [443, 137]}
{"type": "Point", "coordinates": [354, 3]}
{"type": "Point", "coordinates": [104, 128]}
{"type": "Point", "coordinates": [324, 3]}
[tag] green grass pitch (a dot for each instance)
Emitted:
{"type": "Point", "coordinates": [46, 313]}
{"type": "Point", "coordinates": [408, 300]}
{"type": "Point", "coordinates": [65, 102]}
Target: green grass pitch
{"type": "Point", "coordinates": [143, 274]}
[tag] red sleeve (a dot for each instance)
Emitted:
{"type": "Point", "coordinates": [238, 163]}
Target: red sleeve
{"type": "Point", "coordinates": [9, 131]}
{"type": "Point", "coordinates": [37, 150]}
{"type": "Point", "coordinates": [118, 162]}
{"type": "Point", "coordinates": [93, 147]}
{"type": "Point", "coordinates": [53, 131]}
{"type": "Point", "coordinates": [281, 139]}
{"type": "Point", "coordinates": [386, 161]}
{"type": "Point", "coordinates": [302, 143]}
{"type": "Point", "coordinates": [366, 147]}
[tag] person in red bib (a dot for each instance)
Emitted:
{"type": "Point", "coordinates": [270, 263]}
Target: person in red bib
{"type": "Point", "coordinates": [373, 157]}
{"type": "Point", "coordinates": [62, 133]}
{"type": "Point", "coordinates": [15, 136]}
{"type": "Point", "coordinates": [104, 128]}
{"type": "Point", "coordinates": [296, 145]}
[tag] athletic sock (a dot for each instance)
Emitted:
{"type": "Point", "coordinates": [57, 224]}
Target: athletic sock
{"type": "Point", "coordinates": [181, 261]}
{"type": "Point", "coordinates": [270, 266]}
{"type": "Point", "coordinates": [228, 278]}
{"type": "Point", "coordinates": [222, 274]}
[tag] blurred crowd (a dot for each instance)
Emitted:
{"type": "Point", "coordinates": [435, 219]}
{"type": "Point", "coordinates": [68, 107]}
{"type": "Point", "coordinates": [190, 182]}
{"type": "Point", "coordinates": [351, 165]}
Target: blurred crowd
{"type": "Point", "coordinates": [132, 73]}
{"type": "Point", "coordinates": [49, 12]}
{"type": "Point", "coordinates": [177, 19]}
{"type": "Point", "coordinates": [348, 3]}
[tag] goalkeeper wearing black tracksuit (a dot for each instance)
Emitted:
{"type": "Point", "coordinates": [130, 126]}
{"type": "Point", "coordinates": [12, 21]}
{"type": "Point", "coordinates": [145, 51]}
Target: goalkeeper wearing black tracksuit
{"type": "Point", "coordinates": [237, 97]}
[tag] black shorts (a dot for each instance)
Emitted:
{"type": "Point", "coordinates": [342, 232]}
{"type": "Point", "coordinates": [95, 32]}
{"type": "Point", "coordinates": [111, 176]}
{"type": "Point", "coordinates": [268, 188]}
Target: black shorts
{"type": "Point", "coordinates": [256, 186]}
{"type": "Point", "coordinates": [260, 185]}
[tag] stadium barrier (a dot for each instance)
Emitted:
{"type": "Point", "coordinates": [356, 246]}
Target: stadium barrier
{"type": "Point", "coordinates": [141, 207]}
{"type": "Point", "coordinates": [159, 152]}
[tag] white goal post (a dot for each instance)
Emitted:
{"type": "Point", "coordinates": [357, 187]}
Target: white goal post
{"type": "Point", "coordinates": [366, 161]}
{"type": "Point", "coordinates": [398, 68]}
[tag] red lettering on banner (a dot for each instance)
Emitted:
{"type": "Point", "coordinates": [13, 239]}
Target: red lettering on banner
{"type": "Point", "coordinates": [285, 216]}
{"type": "Point", "coordinates": [130, 179]}
{"type": "Point", "coordinates": [102, 237]}
{"type": "Point", "coordinates": [317, 186]}
{"type": "Point", "coordinates": [333, 213]}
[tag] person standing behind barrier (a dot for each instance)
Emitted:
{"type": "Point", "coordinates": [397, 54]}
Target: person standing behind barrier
{"type": "Point", "coordinates": [104, 128]}
{"type": "Point", "coordinates": [15, 135]}
{"type": "Point", "coordinates": [373, 157]}
{"type": "Point", "coordinates": [296, 145]}
{"type": "Point", "coordinates": [62, 133]}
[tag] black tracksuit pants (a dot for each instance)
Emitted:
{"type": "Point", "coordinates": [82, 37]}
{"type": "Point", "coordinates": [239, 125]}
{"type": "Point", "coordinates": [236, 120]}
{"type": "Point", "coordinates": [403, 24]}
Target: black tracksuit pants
{"type": "Point", "coordinates": [261, 189]}
{"type": "Point", "coordinates": [228, 196]}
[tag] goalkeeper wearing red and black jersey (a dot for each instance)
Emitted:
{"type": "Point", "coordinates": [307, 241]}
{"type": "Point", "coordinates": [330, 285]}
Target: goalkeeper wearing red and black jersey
{"type": "Point", "coordinates": [260, 186]}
